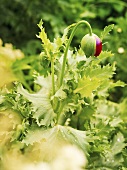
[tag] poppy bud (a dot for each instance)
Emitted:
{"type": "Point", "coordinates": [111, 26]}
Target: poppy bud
{"type": "Point", "coordinates": [91, 45]}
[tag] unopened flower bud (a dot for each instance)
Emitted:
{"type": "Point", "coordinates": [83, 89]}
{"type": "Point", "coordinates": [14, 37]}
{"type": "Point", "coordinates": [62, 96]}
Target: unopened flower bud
{"type": "Point", "coordinates": [91, 45]}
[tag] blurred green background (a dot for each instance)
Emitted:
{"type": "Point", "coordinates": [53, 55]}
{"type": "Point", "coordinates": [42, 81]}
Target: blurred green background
{"type": "Point", "coordinates": [19, 18]}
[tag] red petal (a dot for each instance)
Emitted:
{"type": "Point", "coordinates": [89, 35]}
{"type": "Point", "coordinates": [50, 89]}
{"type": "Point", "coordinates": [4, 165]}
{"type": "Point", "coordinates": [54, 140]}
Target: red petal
{"type": "Point", "coordinates": [98, 46]}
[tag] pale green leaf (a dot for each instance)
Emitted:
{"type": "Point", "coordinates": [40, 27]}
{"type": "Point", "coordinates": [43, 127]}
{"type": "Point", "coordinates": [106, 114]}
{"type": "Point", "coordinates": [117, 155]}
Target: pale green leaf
{"type": "Point", "coordinates": [104, 55]}
{"type": "Point", "coordinates": [87, 85]}
{"type": "Point", "coordinates": [115, 122]}
{"type": "Point", "coordinates": [103, 88]}
{"type": "Point", "coordinates": [40, 135]}
{"type": "Point", "coordinates": [42, 108]}
{"type": "Point", "coordinates": [74, 136]}
{"type": "Point", "coordinates": [48, 46]}
{"type": "Point", "coordinates": [117, 84]}
{"type": "Point", "coordinates": [44, 82]}
{"type": "Point", "coordinates": [107, 109]}
{"type": "Point", "coordinates": [45, 40]}
{"type": "Point", "coordinates": [99, 72]}
{"type": "Point", "coordinates": [58, 132]}
{"type": "Point", "coordinates": [57, 44]}
{"type": "Point", "coordinates": [118, 143]}
{"type": "Point", "coordinates": [60, 94]}
{"type": "Point", "coordinates": [40, 24]}
{"type": "Point", "coordinates": [106, 31]}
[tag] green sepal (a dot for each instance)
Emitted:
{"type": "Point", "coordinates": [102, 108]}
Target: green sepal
{"type": "Point", "coordinates": [88, 45]}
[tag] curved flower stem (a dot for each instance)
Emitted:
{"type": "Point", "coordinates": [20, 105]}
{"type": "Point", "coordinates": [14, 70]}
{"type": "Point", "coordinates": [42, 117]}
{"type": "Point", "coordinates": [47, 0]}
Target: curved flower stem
{"type": "Point", "coordinates": [68, 44]}
{"type": "Point", "coordinates": [62, 117]}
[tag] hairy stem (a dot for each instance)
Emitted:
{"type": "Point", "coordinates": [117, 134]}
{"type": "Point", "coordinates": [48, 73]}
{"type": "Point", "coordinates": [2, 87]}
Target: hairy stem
{"type": "Point", "coordinates": [68, 44]}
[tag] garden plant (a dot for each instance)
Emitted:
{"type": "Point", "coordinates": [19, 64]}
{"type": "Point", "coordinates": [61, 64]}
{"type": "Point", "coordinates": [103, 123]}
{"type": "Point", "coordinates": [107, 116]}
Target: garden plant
{"type": "Point", "coordinates": [67, 106]}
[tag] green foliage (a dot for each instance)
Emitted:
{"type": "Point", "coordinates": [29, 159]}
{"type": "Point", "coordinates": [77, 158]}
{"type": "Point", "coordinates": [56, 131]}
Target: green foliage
{"type": "Point", "coordinates": [118, 45]}
{"type": "Point", "coordinates": [78, 112]}
{"type": "Point", "coordinates": [18, 20]}
{"type": "Point", "coordinates": [107, 30]}
{"type": "Point", "coordinates": [41, 104]}
{"type": "Point", "coordinates": [22, 23]}
{"type": "Point", "coordinates": [88, 110]}
{"type": "Point", "coordinates": [86, 86]}
{"type": "Point", "coordinates": [57, 132]}
{"type": "Point", "coordinates": [107, 137]}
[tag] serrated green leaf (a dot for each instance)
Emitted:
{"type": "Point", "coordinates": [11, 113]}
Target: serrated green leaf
{"type": "Point", "coordinates": [105, 54]}
{"type": "Point", "coordinates": [57, 44]}
{"type": "Point", "coordinates": [117, 84]}
{"type": "Point", "coordinates": [115, 122]}
{"type": "Point", "coordinates": [66, 30]}
{"type": "Point", "coordinates": [42, 108]}
{"type": "Point", "coordinates": [107, 29]}
{"type": "Point", "coordinates": [118, 143]}
{"type": "Point", "coordinates": [40, 24]}
{"type": "Point", "coordinates": [100, 72]}
{"type": "Point", "coordinates": [86, 86]}
{"type": "Point", "coordinates": [39, 135]}
{"type": "Point", "coordinates": [48, 46]}
{"type": "Point", "coordinates": [107, 108]}
{"type": "Point", "coordinates": [102, 76]}
{"type": "Point", "coordinates": [74, 136]}
{"type": "Point", "coordinates": [103, 88]}
{"type": "Point", "coordinates": [58, 132]}
{"type": "Point", "coordinates": [44, 82]}
{"type": "Point", "coordinates": [60, 94]}
{"type": "Point", "coordinates": [87, 112]}
{"type": "Point", "coordinates": [102, 57]}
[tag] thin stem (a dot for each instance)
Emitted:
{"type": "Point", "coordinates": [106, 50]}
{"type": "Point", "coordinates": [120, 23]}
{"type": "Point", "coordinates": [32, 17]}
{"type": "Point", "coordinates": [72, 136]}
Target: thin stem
{"type": "Point", "coordinates": [68, 44]}
{"type": "Point", "coordinates": [52, 73]}
{"type": "Point", "coordinates": [52, 70]}
{"type": "Point", "coordinates": [62, 119]}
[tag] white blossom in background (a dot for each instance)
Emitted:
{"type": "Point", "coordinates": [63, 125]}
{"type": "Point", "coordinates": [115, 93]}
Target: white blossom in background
{"type": "Point", "coordinates": [119, 30]}
{"type": "Point", "coordinates": [69, 158]}
{"type": "Point", "coordinates": [121, 50]}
